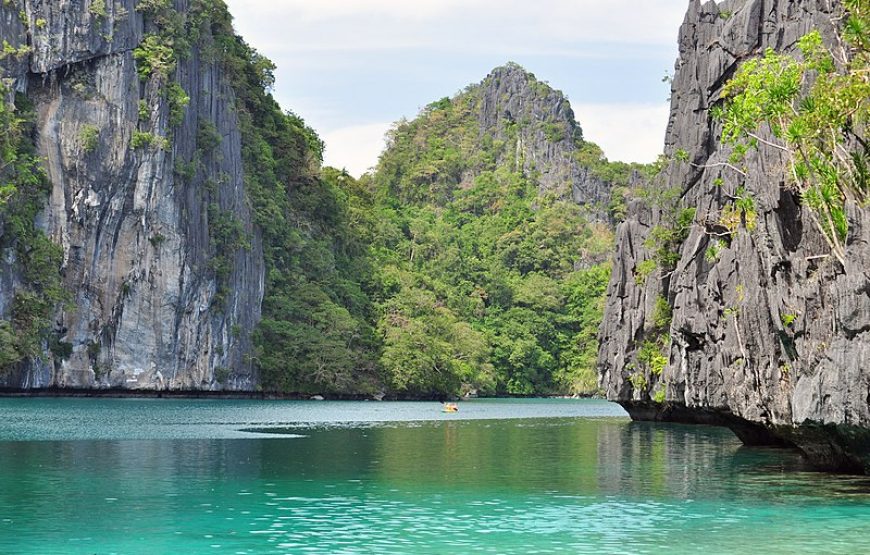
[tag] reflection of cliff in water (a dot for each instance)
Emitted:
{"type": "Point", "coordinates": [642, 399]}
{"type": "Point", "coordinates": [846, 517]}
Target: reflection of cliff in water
{"type": "Point", "coordinates": [655, 460]}
{"type": "Point", "coordinates": [601, 457]}
{"type": "Point", "coordinates": [644, 459]}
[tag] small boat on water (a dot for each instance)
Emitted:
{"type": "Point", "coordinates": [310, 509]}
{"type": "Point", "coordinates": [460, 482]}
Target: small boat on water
{"type": "Point", "coordinates": [450, 407]}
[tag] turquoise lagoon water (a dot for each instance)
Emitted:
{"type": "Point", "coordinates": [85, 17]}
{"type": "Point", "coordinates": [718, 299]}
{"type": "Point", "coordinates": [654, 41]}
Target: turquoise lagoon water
{"type": "Point", "coordinates": [82, 476]}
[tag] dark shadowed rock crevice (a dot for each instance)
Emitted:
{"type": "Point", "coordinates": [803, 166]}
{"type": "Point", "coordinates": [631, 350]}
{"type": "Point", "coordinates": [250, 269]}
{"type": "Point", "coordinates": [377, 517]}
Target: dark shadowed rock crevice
{"type": "Point", "coordinates": [767, 330]}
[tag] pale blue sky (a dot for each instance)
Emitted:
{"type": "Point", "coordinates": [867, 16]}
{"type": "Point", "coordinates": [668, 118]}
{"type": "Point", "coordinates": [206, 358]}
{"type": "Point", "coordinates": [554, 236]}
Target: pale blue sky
{"type": "Point", "coordinates": [352, 67]}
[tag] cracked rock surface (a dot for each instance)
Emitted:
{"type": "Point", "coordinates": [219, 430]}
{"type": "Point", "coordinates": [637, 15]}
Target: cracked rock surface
{"type": "Point", "coordinates": [771, 337]}
{"type": "Point", "coordinates": [135, 235]}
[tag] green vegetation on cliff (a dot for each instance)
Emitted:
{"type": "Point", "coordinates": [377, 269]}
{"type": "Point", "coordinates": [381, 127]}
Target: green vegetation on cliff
{"type": "Point", "coordinates": [446, 269]}
{"type": "Point", "coordinates": [486, 282]}
{"type": "Point", "coordinates": [816, 108]}
{"type": "Point", "coordinates": [316, 333]}
{"type": "Point", "coordinates": [23, 189]}
{"type": "Point", "coordinates": [470, 260]}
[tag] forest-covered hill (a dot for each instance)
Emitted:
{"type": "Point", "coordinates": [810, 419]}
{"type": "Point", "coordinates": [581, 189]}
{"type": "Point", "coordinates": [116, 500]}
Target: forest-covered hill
{"type": "Point", "coordinates": [165, 224]}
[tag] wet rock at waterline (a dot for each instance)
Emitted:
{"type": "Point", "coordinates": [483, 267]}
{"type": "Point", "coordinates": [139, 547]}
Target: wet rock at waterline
{"type": "Point", "coordinates": [770, 335]}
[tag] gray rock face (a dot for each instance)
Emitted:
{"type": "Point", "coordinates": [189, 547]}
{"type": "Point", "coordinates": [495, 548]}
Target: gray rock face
{"type": "Point", "coordinates": [772, 336]}
{"type": "Point", "coordinates": [145, 312]}
{"type": "Point", "coordinates": [512, 100]}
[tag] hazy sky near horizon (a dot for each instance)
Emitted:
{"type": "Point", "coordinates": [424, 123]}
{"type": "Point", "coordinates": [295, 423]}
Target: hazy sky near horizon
{"type": "Point", "coordinates": [351, 68]}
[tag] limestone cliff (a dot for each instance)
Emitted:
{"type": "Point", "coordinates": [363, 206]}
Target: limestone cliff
{"type": "Point", "coordinates": [520, 123]}
{"type": "Point", "coordinates": [139, 181]}
{"type": "Point", "coordinates": [768, 333]}
{"type": "Point", "coordinates": [548, 134]}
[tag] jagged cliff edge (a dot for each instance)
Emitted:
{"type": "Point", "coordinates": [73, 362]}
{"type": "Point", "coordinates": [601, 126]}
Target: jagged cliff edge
{"type": "Point", "coordinates": [771, 336]}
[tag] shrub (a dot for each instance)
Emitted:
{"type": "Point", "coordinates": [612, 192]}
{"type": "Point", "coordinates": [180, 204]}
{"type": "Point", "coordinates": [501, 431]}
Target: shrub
{"type": "Point", "coordinates": [154, 56]}
{"type": "Point", "coordinates": [144, 111]}
{"type": "Point", "coordinates": [98, 8]}
{"type": "Point", "coordinates": [643, 270]}
{"type": "Point", "coordinates": [638, 381]}
{"type": "Point", "coordinates": [222, 374]}
{"type": "Point", "coordinates": [816, 108]}
{"type": "Point", "coordinates": [143, 139]}
{"type": "Point", "coordinates": [662, 314]}
{"type": "Point", "coordinates": [207, 136]}
{"type": "Point", "coordinates": [714, 250]}
{"type": "Point", "coordinates": [652, 356]}
{"type": "Point", "coordinates": [788, 319]}
{"type": "Point", "coordinates": [90, 138]}
{"type": "Point", "coordinates": [178, 101]}
{"type": "Point", "coordinates": [740, 212]}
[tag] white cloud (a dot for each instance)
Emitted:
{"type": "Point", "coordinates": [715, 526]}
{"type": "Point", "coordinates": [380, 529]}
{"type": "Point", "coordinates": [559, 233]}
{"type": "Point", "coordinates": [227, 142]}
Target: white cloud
{"type": "Point", "coordinates": [616, 21]}
{"type": "Point", "coordinates": [471, 25]}
{"type": "Point", "coordinates": [344, 64]}
{"type": "Point", "coordinates": [626, 132]}
{"type": "Point", "coordinates": [355, 148]}
{"type": "Point", "coordinates": [320, 10]}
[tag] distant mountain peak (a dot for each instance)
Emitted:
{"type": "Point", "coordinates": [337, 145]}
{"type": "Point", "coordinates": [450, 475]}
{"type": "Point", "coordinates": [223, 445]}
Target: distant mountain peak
{"type": "Point", "coordinates": [514, 69]}
{"type": "Point", "coordinates": [522, 81]}
{"type": "Point", "coordinates": [510, 120]}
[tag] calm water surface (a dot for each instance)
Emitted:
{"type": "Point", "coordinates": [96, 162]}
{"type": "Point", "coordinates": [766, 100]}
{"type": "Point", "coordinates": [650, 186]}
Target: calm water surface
{"type": "Point", "coordinates": [543, 476]}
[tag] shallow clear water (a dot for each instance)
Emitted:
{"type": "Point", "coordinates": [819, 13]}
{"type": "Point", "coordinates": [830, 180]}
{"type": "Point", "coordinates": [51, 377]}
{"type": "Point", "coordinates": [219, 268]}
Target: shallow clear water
{"type": "Point", "coordinates": [543, 476]}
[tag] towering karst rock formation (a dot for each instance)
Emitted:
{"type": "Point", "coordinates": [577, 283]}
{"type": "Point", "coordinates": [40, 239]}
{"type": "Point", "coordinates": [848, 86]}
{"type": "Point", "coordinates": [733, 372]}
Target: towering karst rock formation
{"type": "Point", "coordinates": [492, 240]}
{"type": "Point", "coordinates": [769, 334]}
{"type": "Point", "coordinates": [182, 236]}
{"type": "Point", "coordinates": [548, 135]}
{"type": "Point", "coordinates": [133, 212]}
{"type": "Point", "coordinates": [513, 120]}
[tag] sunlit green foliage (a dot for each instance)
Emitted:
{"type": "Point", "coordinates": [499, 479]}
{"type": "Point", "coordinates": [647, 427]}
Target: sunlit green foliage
{"type": "Point", "coordinates": [98, 8]}
{"type": "Point", "coordinates": [740, 212]}
{"type": "Point", "coordinates": [465, 238]}
{"type": "Point", "coordinates": [154, 56]}
{"type": "Point", "coordinates": [428, 350]}
{"type": "Point", "coordinates": [638, 381]}
{"type": "Point", "coordinates": [584, 311]}
{"type": "Point", "coordinates": [816, 109]}
{"type": "Point", "coordinates": [90, 138]}
{"type": "Point", "coordinates": [144, 139]}
{"type": "Point", "coordinates": [8, 51]}
{"type": "Point", "coordinates": [178, 101]}
{"type": "Point", "coordinates": [316, 333]}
